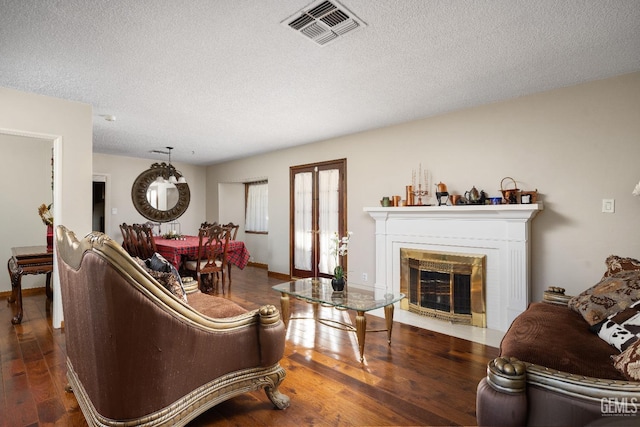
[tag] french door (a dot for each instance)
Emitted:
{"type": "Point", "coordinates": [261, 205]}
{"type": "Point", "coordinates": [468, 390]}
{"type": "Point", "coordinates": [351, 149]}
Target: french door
{"type": "Point", "coordinates": [318, 211]}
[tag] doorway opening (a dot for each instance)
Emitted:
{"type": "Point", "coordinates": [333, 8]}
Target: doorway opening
{"type": "Point", "coordinates": [101, 209]}
{"type": "Point", "coordinates": [98, 206]}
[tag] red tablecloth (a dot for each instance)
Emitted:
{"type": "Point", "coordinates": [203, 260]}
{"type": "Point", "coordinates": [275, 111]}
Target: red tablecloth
{"type": "Point", "coordinates": [173, 250]}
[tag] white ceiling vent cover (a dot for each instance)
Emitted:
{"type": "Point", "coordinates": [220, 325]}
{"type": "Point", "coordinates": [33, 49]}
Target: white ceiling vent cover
{"type": "Point", "coordinates": [324, 22]}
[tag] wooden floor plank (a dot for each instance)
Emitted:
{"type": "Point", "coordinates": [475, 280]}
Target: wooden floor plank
{"type": "Point", "coordinates": [423, 378]}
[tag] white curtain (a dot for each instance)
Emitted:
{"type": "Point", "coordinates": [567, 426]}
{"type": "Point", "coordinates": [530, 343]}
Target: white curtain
{"type": "Point", "coordinates": [302, 220]}
{"type": "Point", "coordinates": [328, 210]}
{"type": "Point", "coordinates": [257, 217]}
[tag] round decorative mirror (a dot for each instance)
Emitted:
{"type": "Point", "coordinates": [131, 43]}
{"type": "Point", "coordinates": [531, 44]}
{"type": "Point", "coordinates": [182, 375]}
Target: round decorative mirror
{"type": "Point", "coordinates": [156, 197]}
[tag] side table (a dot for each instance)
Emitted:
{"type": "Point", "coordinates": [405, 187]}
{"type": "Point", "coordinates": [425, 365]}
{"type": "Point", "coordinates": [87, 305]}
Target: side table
{"type": "Point", "coordinates": [28, 260]}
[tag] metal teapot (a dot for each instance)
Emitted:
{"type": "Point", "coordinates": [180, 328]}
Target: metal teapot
{"type": "Point", "coordinates": [472, 196]}
{"type": "Point", "coordinates": [441, 187]}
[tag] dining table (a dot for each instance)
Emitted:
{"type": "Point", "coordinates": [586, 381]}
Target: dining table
{"type": "Point", "coordinates": [177, 250]}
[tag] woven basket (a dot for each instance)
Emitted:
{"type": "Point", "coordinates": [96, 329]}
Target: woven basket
{"type": "Point", "coordinates": [510, 195]}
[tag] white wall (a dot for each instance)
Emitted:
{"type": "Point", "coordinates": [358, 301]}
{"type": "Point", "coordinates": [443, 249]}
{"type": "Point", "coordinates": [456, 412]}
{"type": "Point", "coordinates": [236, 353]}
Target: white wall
{"type": "Point", "coordinates": [576, 145]}
{"type": "Point", "coordinates": [20, 224]}
{"type": "Point", "coordinates": [123, 171]}
{"type": "Point", "coordinates": [69, 126]}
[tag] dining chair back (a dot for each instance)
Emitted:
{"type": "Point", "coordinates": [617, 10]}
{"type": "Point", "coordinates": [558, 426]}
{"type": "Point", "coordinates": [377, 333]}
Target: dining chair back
{"type": "Point", "coordinates": [211, 261]}
{"type": "Point", "coordinates": [208, 224]}
{"type": "Point", "coordinates": [146, 244]}
{"type": "Point", "coordinates": [129, 240]}
{"type": "Point", "coordinates": [233, 230]}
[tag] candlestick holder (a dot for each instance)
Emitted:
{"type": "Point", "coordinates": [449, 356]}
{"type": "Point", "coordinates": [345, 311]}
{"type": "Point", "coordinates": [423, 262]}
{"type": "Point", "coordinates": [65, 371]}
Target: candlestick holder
{"type": "Point", "coordinates": [422, 190]}
{"type": "Point", "coordinates": [420, 193]}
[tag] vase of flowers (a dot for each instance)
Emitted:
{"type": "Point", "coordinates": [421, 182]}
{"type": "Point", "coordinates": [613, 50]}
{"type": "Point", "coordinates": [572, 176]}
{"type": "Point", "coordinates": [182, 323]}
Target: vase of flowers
{"type": "Point", "coordinates": [340, 247]}
{"type": "Point", "coordinates": [47, 219]}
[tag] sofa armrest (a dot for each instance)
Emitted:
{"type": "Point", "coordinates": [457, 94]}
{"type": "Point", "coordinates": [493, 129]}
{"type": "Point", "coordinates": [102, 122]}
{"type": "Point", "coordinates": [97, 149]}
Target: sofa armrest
{"type": "Point", "coordinates": [270, 331]}
{"type": "Point", "coordinates": [555, 295]}
{"type": "Point", "coordinates": [501, 399]}
{"type": "Point", "coordinates": [513, 390]}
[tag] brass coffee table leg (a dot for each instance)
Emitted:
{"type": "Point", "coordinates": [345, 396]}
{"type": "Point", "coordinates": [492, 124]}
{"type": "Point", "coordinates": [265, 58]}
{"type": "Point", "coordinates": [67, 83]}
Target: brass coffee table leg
{"type": "Point", "coordinates": [361, 330]}
{"type": "Point", "coordinates": [284, 307]}
{"type": "Point", "coordinates": [388, 317]}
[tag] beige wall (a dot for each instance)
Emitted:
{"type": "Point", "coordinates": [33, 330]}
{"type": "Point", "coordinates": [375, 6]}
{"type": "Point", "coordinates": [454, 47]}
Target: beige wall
{"type": "Point", "coordinates": [576, 145]}
{"type": "Point", "coordinates": [20, 224]}
{"type": "Point", "coordinates": [122, 171]}
{"type": "Point", "coordinates": [68, 126]}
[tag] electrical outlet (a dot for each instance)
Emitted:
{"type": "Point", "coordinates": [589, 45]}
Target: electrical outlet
{"type": "Point", "coordinates": [608, 205]}
{"type": "Point", "coordinates": [364, 277]}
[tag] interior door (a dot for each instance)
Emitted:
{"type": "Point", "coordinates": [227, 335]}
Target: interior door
{"type": "Point", "coordinates": [318, 211]}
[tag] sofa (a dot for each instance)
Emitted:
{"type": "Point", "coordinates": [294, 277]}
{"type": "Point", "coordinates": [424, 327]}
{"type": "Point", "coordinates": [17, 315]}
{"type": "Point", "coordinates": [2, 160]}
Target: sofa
{"type": "Point", "coordinates": [140, 351]}
{"type": "Point", "coordinates": [570, 360]}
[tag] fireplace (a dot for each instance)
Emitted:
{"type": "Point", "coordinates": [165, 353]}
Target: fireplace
{"type": "Point", "coordinates": [500, 233]}
{"type": "Point", "coordinates": [445, 285]}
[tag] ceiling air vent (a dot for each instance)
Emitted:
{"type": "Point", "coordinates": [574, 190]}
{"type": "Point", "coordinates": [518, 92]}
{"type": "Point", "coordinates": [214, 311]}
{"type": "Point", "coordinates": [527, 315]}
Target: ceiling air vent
{"type": "Point", "coordinates": [324, 22]}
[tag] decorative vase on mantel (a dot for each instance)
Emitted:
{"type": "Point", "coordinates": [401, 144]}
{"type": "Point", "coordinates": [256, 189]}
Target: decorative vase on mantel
{"type": "Point", "coordinates": [49, 237]}
{"type": "Point", "coordinates": [337, 284]}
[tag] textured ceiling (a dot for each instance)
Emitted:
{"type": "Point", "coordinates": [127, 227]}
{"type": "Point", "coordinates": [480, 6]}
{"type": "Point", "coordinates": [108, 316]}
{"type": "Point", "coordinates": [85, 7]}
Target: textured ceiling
{"type": "Point", "coordinates": [224, 79]}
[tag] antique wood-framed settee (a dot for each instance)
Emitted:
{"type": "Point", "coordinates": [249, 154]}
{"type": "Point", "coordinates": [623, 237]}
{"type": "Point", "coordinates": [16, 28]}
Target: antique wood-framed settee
{"type": "Point", "coordinates": [563, 362]}
{"type": "Point", "coordinates": [137, 354]}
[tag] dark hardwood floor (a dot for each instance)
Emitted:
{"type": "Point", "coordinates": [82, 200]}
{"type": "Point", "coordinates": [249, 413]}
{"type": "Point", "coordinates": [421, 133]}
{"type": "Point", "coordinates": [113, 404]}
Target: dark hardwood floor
{"type": "Point", "coordinates": [423, 378]}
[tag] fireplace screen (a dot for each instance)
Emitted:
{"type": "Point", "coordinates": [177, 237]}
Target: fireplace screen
{"type": "Point", "coordinates": [444, 285]}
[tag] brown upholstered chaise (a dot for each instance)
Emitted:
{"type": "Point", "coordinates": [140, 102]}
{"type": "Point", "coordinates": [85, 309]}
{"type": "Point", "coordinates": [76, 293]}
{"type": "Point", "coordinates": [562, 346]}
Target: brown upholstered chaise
{"type": "Point", "coordinates": [136, 354]}
{"type": "Point", "coordinates": [553, 371]}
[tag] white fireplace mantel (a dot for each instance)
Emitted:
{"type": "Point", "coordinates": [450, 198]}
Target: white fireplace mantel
{"type": "Point", "coordinates": [501, 232]}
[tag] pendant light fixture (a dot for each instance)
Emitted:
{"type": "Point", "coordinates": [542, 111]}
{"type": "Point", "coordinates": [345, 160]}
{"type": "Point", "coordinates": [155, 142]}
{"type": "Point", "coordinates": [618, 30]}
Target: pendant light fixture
{"type": "Point", "coordinates": [169, 173]}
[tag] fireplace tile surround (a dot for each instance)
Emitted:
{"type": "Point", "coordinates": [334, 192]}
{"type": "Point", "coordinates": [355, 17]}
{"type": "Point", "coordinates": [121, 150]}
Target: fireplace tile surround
{"type": "Point", "coordinates": [501, 232]}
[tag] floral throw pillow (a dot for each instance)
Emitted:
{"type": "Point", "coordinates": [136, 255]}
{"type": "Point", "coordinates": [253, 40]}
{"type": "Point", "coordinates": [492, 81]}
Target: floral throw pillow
{"type": "Point", "coordinates": [616, 264]}
{"type": "Point", "coordinates": [611, 295]}
{"type": "Point", "coordinates": [628, 362]}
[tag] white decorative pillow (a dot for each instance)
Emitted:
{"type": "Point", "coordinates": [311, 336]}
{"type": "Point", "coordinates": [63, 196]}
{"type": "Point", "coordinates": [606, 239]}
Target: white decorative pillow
{"type": "Point", "coordinates": [621, 329]}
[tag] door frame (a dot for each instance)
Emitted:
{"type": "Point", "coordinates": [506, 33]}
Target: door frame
{"type": "Point", "coordinates": [340, 164]}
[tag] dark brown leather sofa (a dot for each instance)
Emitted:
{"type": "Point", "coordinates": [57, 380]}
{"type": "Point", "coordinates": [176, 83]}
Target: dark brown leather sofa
{"type": "Point", "coordinates": [553, 371]}
{"type": "Point", "coordinates": [138, 355]}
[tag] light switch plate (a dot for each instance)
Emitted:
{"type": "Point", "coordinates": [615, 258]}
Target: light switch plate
{"type": "Point", "coordinates": [608, 205]}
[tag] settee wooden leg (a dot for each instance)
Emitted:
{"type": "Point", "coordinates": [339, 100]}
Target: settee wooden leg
{"type": "Point", "coordinates": [68, 388]}
{"type": "Point", "coordinates": [279, 400]}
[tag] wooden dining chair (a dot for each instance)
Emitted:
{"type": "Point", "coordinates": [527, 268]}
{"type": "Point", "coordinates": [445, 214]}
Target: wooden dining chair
{"type": "Point", "coordinates": [129, 242]}
{"type": "Point", "coordinates": [211, 260]}
{"type": "Point", "coordinates": [232, 231]}
{"type": "Point", "coordinates": [146, 243]}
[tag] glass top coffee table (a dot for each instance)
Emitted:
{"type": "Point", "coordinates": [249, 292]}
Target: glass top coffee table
{"type": "Point", "coordinates": [318, 291]}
